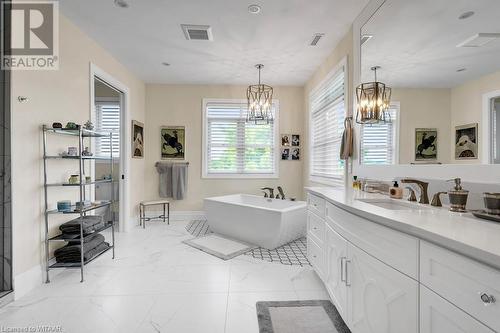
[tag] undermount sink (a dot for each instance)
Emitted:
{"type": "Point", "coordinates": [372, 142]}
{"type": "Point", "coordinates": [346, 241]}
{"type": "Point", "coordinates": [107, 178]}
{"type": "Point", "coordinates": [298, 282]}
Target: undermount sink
{"type": "Point", "coordinates": [393, 204]}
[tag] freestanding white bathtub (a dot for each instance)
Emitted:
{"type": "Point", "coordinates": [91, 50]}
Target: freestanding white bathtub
{"type": "Point", "coordinates": [265, 222]}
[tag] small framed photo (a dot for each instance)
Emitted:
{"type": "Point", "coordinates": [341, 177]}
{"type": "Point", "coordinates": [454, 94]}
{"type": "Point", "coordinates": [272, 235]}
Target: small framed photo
{"type": "Point", "coordinates": [137, 139]}
{"type": "Point", "coordinates": [290, 154]}
{"type": "Point", "coordinates": [426, 143]}
{"type": "Point", "coordinates": [285, 154]}
{"type": "Point", "coordinates": [466, 145]}
{"type": "Point", "coordinates": [286, 140]}
{"type": "Point", "coordinates": [295, 140]}
{"type": "Point", "coordinates": [173, 142]}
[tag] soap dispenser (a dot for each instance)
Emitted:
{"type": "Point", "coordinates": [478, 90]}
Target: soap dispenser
{"type": "Point", "coordinates": [395, 191]}
{"type": "Point", "coordinates": [458, 196]}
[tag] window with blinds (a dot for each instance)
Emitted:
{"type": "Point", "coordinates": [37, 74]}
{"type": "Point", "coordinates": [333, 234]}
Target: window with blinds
{"type": "Point", "coordinates": [108, 119]}
{"type": "Point", "coordinates": [379, 142]}
{"type": "Point", "coordinates": [327, 114]}
{"type": "Point", "coordinates": [234, 147]}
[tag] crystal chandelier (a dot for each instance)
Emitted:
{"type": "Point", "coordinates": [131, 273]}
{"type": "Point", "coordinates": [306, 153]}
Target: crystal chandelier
{"type": "Point", "coordinates": [374, 99]}
{"type": "Point", "coordinates": [260, 100]}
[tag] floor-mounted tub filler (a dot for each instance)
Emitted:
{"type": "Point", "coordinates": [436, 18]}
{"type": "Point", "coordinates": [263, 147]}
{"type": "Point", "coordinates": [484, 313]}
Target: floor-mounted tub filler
{"type": "Point", "coordinates": [265, 222]}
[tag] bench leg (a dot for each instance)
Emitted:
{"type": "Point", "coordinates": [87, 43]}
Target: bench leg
{"type": "Point", "coordinates": [164, 213]}
{"type": "Point", "coordinates": [144, 217]}
{"type": "Point", "coordinates": [168, 213]}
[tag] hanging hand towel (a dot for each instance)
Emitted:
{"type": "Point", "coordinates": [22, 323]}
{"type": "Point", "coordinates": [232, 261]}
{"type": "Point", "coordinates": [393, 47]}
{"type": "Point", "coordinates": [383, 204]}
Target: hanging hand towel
{"type": "Point", "coordinates": [179, 180]}
{"type": "Point", "coordinates": [165, 171]}
{"type": "Point", "coordinates": [346, 147]}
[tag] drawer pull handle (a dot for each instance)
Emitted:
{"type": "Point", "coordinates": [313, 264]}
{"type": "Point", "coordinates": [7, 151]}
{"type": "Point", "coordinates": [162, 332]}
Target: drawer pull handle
{"type": "Point", "coordinates": [487, 299]}
{"type": "Point", "coordinates": [314, 256]}
{"type": "Point", "coordinates": [342, 269]}
{"type": "Point", "coordinates": [315, 228]}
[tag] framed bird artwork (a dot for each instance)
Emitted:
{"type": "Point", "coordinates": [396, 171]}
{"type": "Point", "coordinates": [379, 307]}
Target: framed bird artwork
{"type": "Point", "coordinates": [173, 142]}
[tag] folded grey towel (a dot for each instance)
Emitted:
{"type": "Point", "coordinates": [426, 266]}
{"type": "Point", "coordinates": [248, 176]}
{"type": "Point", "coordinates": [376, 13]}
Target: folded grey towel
{"type": "Point", "coordinates": [76, 248]}
{"type": "Point", "coordinates": [90, 224]}
{"type": "Point", "coordinates": [86, 256]}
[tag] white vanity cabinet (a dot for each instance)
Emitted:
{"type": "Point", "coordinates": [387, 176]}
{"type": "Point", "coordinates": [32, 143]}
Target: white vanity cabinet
{"type": "Point", "coordinates": [336, 261]}
{"type": "Point", "coordinates": [370, 295]}
{"type": "Point", "coordinates": [438, 315]}
{"type": "Point", "coordinates": [382, 280]}
{"type": "Point", "coordinates": [381, 299]}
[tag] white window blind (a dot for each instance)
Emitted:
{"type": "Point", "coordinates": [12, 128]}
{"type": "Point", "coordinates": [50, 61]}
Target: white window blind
{"type": "Point", "coordinates": [233, 146]}
{"type": "Point", "coordinates": [378, 142]}
{"type": "Point", "coordinates": [108, 119]}
{"type": "Point", "coordinates": [328, 111]}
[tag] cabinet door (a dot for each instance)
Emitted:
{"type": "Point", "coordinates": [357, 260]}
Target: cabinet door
{"type": "Point", "coordinates": [380, 298]}
{"type": "Point", "coordinates": [336, 255]}
{"type": "Point", "coordinates": [438, 315]}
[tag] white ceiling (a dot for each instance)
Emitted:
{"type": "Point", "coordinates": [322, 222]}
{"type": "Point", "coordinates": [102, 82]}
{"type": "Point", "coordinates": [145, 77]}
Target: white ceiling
{"type": "Point", "coordinates": [415, 42]}
{"type": "Point", "coordinates": [149, 33]}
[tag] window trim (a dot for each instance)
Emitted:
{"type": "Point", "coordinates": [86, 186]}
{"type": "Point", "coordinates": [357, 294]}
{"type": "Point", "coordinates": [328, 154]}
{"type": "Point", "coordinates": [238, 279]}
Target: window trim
{"type": "Point", "coordinates": [332, 181]}
{"type": "Point", "coordinates": [204, 158]}
{"type": "Point", "coordinates": [393, 104]}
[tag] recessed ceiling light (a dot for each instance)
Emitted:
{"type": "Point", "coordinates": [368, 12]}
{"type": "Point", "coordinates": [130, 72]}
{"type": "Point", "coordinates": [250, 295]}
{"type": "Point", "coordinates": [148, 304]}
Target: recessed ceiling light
{"type": "Point", "coordinates": [461, 69]}
{"type": "Point", "coordinates": [165, 64]}
{"type": "Point", "coordinates": [466, 15]}
{"type": "Point", "coordinates": [121, 3]}
{"type": "Point", "coordinates": [254, 9]}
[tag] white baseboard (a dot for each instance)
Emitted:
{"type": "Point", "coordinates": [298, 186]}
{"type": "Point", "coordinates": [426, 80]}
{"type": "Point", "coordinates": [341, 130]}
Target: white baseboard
{"type": "Point", "coordinates": [27, 281]}
{"type": "Point", "coordinates": [32, 278]}
{"type": "Point", "coordinates": [186, 215]}
{"type": "Point", "coordinates": [175, 215]}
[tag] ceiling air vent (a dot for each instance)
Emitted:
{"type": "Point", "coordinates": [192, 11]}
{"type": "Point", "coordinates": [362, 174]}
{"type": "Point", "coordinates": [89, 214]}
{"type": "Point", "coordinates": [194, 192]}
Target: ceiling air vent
{"type": "Point", "coordinates": [479, 39]}
{"type": "Point", "coordinates": [316, 38]}
{"type": "Point", "coordinates": [197, 32]}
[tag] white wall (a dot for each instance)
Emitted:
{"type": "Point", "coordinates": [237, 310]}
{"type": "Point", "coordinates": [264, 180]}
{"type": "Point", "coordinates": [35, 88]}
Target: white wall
{"type": "Point", "coordinates": [181, 105]}
{"type": "Point", "coordinates": [62, 95]}
{"type": "Point", "coordinates": [467, 107]}
{"type": "Point", "coordinates": [423, 108]}
{"type": "Point", "coordinates": [341, 51]}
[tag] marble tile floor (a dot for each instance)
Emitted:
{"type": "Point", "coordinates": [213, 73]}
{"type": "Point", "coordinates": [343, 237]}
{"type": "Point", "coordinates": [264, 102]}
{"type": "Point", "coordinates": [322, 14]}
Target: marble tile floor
{"type": "Point", "coordinates": [158, 284]}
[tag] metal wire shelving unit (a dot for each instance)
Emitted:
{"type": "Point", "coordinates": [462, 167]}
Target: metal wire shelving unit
{"type": "Point", "coordinates": [82, 135]}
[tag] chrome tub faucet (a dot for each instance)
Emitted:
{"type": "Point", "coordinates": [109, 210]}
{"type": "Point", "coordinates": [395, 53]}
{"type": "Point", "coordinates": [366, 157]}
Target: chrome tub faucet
{"type": "Point", "coordinates": [271, 192]}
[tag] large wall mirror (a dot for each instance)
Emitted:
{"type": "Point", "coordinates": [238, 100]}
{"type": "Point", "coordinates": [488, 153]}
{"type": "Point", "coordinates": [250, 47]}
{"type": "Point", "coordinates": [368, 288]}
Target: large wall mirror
{"type": "Point", "coordinates": [442, 60]}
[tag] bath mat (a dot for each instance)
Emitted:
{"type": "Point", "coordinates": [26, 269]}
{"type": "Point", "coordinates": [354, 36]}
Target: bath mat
{"type": "Point", "coordinates": [293, 253]}
{"type": "Point", "coordinates": [219, 246]}
{"type": "Point", "coordinates": [299, 317]}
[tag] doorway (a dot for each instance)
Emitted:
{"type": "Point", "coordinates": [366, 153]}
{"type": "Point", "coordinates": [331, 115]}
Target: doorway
{"type": "Point", "coordinates": [109, 113]}
{"type": "Point", "coordinates": [107, 106]}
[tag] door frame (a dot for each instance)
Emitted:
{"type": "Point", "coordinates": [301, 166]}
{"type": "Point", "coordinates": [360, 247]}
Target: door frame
{"type": "Point", "coordinates": [125, 133]}
{"type": "Point", "coordinates": [486, 157]}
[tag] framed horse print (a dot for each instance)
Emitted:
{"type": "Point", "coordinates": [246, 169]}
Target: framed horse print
{"type": "Point", "coordinates": [173, 142]}
{"type": "Point", "coordinates": [426, 141]}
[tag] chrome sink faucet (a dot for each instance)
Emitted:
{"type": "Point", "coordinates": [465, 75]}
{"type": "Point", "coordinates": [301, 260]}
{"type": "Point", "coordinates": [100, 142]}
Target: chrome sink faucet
{"type": "Point", "coordinates": [424, 197]}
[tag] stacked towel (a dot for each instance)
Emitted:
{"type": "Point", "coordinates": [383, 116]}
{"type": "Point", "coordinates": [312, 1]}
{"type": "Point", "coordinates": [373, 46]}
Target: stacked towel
{"type": "Point", "coordinates": [90, 224]}
{"type": "Point", "coordinates": [92, 246]}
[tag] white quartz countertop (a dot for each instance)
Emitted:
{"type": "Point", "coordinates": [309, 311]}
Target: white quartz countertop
{"type": "Point", "coordinates": [461, 232]}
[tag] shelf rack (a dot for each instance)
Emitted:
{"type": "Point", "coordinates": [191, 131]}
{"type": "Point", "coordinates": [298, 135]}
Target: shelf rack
{"type": "Point", "coordinates": [81, 134]}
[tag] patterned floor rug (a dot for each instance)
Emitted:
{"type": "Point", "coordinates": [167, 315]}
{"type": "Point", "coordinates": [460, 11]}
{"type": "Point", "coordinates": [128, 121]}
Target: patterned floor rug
{"type": "Point", "coordinates": [293, 253]}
